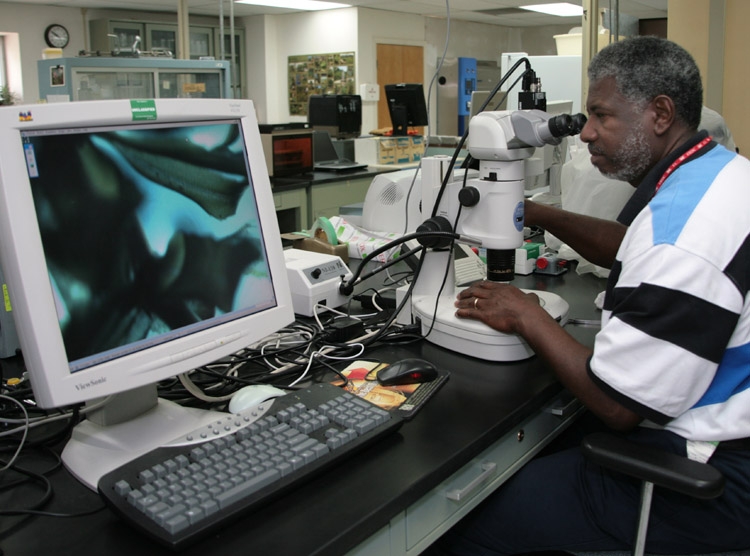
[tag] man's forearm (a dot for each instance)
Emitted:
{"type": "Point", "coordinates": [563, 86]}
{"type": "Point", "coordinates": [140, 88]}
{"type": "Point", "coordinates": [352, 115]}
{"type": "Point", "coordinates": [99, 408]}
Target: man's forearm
{"type": "Point", "coordinates": [595, 239]}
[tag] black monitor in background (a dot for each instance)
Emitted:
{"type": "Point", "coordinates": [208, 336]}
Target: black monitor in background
{"type": "Point", "coordinates": [407, 106]}
{"type": "Point", "coordinates": [339, 115]}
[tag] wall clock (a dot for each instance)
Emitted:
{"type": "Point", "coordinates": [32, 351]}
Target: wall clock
{"type": "Point", "coordinates": [56, 36]}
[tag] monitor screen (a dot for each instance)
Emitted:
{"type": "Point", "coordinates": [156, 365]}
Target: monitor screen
{"type": "Point", "coordinates": [406, 106]}
{"type": "Point", "coordinates": [339, 115]}
{"type": "Point", "coordinates": [137, 244]}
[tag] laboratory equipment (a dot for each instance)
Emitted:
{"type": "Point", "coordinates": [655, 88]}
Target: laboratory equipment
{"type": "Point", "coordinates": [314, 279]}
{"type": "Point", "coordinates": [459, 79]}
{"type": "Point", "coordinates": [560, 76]}
{"type": "Point", "coordinates": [393, 201]}
{"type": "Point", "coordinates": [487, 212]}
{"type": "Point", "coordinates": [139, 242]}
{"type": "Point", "coordinates": [288, 149]}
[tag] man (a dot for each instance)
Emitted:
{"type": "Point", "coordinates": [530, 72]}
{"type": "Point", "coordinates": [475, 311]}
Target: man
{"type": "Point", "coordinates": [585, 190]}
{"type": "Point", "coordinates": [671, 365]}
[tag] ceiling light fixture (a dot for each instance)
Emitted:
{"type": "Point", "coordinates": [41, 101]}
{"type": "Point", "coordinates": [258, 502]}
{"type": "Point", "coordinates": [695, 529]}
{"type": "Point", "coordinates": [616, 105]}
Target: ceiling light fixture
{"type": "Point", "coordinates": [562, 9]}
{"type": "Point", "coordinates": [309, 5]}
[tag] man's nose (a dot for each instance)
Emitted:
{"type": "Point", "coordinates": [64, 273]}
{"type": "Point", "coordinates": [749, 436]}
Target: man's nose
{"type": "Point", "coordinates": [588, 134]}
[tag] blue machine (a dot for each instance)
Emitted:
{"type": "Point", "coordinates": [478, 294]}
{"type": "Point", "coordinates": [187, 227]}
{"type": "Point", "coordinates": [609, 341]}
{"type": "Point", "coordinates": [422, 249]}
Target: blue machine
{"type": "Point", "coordinates": [467, 83]}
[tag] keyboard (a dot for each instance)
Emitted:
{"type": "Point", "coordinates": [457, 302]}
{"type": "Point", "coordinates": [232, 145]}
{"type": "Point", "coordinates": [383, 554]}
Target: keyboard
{"type": "Point", "coordinates": [178, 495]}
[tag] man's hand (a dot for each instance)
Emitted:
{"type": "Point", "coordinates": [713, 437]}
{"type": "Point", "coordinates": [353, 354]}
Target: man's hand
{"type": "Point", "coordinates": [512, 311]}
{"type": "Point", "coordinates": [498, 305]}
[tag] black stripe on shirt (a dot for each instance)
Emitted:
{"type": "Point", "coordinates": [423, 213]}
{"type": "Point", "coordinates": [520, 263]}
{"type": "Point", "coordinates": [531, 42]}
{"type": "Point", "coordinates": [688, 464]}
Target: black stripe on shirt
{"type": "Point", "coordinates": [614, 276]}
{"type": "Point", "coordinates": [674, 316]}
{"type": "Point", "coordinates": [639, 409]}
{"type": "Point", "coordinates": [738, 268]}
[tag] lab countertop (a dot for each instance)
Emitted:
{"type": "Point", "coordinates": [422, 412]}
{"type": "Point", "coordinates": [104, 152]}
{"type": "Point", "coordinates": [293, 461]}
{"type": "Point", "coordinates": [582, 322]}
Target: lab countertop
{"type": "Point", "coordinates": [348, 503]}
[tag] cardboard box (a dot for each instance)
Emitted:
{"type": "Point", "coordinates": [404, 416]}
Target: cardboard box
{"type": "Point", "coordinates": [389, 150]}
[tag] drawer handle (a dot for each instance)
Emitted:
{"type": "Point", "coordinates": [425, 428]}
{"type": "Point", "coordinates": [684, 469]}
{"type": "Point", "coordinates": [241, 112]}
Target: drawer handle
{"type": "Point", "coordinates": [488, 469]}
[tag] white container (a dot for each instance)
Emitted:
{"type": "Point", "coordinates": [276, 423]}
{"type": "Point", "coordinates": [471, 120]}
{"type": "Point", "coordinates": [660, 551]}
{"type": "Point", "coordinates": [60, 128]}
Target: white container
{"type": "Point", "coordinates": [50, 53]}
{"type": "Point", "coordinates": [572, 43]}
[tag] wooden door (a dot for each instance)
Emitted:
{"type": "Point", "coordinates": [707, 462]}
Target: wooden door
{"type": "Point", "coordinates": [397, 63]}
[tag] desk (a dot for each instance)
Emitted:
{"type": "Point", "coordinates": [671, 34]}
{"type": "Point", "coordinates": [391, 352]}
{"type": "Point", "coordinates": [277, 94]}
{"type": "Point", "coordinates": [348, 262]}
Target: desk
{"type": "Point", "coordinates": [382, 501]}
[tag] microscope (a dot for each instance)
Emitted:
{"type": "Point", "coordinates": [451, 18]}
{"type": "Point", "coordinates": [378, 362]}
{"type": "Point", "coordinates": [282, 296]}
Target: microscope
{"type": "Point", "coordinates": [487, 212]}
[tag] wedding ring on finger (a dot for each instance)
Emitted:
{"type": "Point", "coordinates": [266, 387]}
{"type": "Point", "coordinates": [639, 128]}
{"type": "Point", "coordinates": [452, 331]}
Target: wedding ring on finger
{"type": "Point", "coordinates": [476, 301]}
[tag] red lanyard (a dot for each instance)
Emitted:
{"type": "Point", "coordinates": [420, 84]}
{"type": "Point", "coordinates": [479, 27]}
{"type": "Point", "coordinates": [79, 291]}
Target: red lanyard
{"type": "Point", "coordinates": [680, 160]}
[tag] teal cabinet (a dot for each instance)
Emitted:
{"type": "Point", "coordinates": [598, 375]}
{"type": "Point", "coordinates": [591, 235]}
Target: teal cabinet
{"type": "Point", "coordinates": [100, 78]}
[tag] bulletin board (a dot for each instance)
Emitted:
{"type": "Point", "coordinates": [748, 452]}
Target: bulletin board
{"type": "Point", "coordinates": [317, 74]}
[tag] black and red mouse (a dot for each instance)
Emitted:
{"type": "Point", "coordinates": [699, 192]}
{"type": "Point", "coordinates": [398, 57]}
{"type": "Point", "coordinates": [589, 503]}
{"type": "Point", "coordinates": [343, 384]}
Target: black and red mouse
{"type": "Point", "coordinates": [407, 371]}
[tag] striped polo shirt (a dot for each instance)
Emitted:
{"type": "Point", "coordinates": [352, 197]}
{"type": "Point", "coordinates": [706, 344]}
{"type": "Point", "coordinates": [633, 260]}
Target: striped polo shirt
{"type": "Point", "coordinates": [675, 340]}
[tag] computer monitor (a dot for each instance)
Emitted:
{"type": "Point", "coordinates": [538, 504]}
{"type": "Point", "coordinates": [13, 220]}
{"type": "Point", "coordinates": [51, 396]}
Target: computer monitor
{"type": "Point", "coordinates": [139, 241]}
{"type": "Point", "coordinates": [406, 106]}
{"type": "Point", "coordinates": [339, 115]}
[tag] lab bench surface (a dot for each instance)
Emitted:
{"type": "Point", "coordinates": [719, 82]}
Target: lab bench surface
{"type": "Point", "coordinates": [395, 497]}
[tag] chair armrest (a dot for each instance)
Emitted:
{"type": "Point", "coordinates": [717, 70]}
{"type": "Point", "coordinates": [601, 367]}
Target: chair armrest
{"type": "Point", "coordinates": [677, 473]}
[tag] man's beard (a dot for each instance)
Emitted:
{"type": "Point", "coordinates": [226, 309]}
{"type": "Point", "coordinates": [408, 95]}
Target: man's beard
{"type": "Point", "coordinates": [632, 158]}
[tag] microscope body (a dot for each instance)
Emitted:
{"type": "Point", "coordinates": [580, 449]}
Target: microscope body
{"type": "Point", "coordinates": [488, 212]}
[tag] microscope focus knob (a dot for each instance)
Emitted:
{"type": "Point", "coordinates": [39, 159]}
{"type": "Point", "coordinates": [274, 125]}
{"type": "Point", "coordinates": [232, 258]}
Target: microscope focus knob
{"type": "Point", "coordinates": [468, 196]}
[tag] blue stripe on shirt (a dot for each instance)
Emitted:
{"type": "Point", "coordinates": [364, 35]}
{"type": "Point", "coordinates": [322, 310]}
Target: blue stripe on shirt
{"type": "Point", "coordinates": [732, 376]}
{"type": "Point", "coordinates": [681, 193]}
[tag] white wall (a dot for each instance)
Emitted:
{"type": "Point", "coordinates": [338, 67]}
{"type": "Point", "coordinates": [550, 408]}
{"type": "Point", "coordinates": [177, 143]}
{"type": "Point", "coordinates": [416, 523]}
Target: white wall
{"type": "Point", "coordinates": [256, 64]}
{"type": "Point", "coordinates": [303, 33]}
{"type": "Point", "coordinates": [29, 22]}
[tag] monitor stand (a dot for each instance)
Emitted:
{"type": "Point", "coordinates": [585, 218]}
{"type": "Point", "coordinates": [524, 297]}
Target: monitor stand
{"type": "Point", "coordinates": [399, 120]}
{"type": "Point", "coordinates": [131, 424]}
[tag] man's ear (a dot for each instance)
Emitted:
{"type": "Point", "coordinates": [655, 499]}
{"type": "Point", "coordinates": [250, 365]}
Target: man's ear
{"type": "Point", "coordinates": [664, 114]}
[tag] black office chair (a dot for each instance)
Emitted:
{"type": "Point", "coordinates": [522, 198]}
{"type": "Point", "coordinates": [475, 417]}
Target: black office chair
{"type": "Point", "coordinates": [653, 467]}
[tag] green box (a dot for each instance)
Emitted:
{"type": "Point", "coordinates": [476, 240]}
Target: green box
{"type": "Point", "coordinates": [533, 250]}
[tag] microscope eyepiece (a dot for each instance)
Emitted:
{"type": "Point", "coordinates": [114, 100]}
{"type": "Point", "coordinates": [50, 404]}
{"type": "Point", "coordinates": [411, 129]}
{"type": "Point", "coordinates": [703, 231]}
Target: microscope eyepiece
{"type": "Point", "coordinates": [559, 126]}
{"type": "Point", "coordinates": [578, 121]}
{"type": "Point", "coordinates": [565, 124]}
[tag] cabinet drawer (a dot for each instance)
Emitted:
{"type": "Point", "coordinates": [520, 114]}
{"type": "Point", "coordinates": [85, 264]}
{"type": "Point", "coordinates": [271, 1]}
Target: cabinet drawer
{"type": "Point", "coordinates": [437, 511]}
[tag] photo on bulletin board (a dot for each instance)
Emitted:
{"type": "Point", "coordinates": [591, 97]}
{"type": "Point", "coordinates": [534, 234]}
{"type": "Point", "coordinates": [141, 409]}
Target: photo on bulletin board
{"type": "Point", "coordinates": [57, 76]}
{"type": "Point", "coordinates": [319, 74]}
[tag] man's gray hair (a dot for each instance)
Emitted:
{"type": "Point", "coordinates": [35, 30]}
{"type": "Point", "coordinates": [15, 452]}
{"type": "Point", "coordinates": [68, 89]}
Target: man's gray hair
{"type": "Point", "coordinates": [645, 67]}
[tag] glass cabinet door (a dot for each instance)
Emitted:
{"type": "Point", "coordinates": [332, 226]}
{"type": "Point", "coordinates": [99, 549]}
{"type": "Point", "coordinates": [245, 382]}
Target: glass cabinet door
{"type": "Point", "coordinates": [161, 38]}
{"type": "Point", "coordinates": [123, 35]}
{"type": "Point", "coordinates": [236, 66]}
{"type": "Point", "coordinates": [201, 42]}
{"type": "Point", "coordinates": [174, 84]}
{"type": "Point", "coordinates": [164, 37]}
{"type": "Point", "coordinates": [108, 84]}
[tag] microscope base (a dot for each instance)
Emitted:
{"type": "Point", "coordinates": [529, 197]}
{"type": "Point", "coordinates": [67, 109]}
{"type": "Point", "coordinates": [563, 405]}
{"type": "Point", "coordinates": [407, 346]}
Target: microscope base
{"type": "Point", "coordinates": [474, 338]}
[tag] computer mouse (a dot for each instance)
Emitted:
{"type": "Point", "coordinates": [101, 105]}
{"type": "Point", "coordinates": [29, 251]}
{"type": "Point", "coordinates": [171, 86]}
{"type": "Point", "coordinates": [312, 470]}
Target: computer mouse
{"type": "Point", "coordinates": [407, 371]}
{"type": "Point", "coordinates": [250, 396]}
